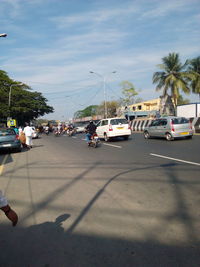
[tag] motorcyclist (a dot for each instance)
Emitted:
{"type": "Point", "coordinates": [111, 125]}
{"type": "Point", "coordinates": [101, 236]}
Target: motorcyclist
{"type": "Point", "coordinates": [90, 130]}
{"type": "Point", "coordinates": [70, 129]}
{"type": "Point", "coordinates": [46, 129]}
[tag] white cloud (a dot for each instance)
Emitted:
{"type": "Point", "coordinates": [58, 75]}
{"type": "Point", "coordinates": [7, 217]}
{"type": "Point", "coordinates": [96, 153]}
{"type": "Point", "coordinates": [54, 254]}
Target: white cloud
{"type": "Point", "coordinates": [94, 17]}
{"type": "Point", "coordinates": [163, 8]}
{"type": "Point", "coordinates": [106, 39]}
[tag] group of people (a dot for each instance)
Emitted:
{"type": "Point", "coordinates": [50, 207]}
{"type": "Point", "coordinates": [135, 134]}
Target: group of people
{"type": "Point", "coordinates": [25, 135]}
{"type": "Point", "coordinates": [62, 129]}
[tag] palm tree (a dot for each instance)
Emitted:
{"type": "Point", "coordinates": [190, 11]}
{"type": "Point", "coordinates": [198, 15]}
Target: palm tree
{"type": "Point", "coordinates": [194, 67]}
{"type": "Point", "coordinates": [173, 77]}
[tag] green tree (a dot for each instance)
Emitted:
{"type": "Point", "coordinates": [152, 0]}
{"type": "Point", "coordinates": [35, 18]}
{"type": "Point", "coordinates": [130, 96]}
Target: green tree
{"type": "Point", "coordinates": [173, 77]}
{"type": "Point", "coordinates": [26, 105]}
{"type": "Point", "coordinates": [129, 92]}
{"type": "Point", "coordinates": [112, 107]}
{"type": "Point", "coordinates": [87, 112]}
{"type": "Point", "coordinates": [194, 68]}
{"type": "Point", "coordinates": [139, 100]}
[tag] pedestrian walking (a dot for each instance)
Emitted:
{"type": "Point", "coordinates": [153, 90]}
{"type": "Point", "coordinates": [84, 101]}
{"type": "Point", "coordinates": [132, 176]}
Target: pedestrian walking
{"type": "Point", "coordinates": [28, 133]}
{"type": "Point", "coordinates": [10, 213]}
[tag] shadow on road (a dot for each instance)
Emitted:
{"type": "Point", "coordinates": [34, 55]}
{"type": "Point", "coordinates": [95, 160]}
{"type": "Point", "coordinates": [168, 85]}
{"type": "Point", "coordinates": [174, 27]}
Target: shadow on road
{"type": "Point", "coordinates": [47, 244]}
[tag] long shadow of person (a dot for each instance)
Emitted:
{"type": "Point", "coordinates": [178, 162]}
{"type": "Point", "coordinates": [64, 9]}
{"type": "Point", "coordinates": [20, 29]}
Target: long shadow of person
{"type": "Point", "coordinates": [49, 245]}
{"type": "Point", "coordinates": [36, 245]}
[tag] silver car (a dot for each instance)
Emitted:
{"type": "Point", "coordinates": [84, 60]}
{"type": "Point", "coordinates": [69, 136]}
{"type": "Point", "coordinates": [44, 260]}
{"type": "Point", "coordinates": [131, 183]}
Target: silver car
{"type": "Point", "coordinates": [169, 127]}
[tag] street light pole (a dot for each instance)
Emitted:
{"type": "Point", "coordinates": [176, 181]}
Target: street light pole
{"type": "Point", "coordinates": [104, 90]}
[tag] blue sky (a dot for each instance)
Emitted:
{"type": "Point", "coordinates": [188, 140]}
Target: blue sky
{"type": "Point", "coordinates": [52, 45]}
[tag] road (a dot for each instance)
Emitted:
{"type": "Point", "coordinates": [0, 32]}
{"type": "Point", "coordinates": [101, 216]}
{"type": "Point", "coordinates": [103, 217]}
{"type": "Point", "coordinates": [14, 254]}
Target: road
{"type": "Point", "coordinates": [125, 203]}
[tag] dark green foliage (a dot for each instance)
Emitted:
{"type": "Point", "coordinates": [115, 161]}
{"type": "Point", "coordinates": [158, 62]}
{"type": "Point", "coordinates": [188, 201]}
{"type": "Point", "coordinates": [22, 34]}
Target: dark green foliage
{"type": "Point", "coordinates": [194, 67]}
{"type": "Point", "coordinates": [25, 105]}
{"type": "Point", "coordinates": [173, 76]}
{"type": "Point", "coordinates": [87, 112]}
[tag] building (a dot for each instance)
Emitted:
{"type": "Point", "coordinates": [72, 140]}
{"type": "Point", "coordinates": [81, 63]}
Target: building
{"type": "Point", "coordinates": [151, 108]}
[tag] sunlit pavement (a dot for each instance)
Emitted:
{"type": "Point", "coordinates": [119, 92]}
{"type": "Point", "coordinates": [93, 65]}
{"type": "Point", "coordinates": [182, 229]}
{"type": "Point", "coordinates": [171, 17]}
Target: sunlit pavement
{"type": "Point", "coordinates": [116, 205]}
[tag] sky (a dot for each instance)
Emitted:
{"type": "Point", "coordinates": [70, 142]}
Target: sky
{"type": "Point", "coordinates": [52, 45]}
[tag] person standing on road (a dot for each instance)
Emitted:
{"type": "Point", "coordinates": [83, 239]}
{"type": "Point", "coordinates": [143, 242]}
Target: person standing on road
{"type": "Point", "coordinates": [28, 133]}
{"type": "Point", "coordinates": [90, 130]}
{"type": "Point", "coordinates": [10, 214]}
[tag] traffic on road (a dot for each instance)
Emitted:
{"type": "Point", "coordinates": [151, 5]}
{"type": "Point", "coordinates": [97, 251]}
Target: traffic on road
{"type": "Point", "coordinates": [135, 197]}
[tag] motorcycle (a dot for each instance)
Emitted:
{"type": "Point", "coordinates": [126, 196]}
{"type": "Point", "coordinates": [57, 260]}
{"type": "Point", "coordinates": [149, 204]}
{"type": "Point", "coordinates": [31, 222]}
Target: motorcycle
{"type": "Point", "coordinates": [46, 132]}
{"type": "Point", "coordinates": [56, 133]}
{"type": "Point", "coordinates": [95, 141]}
{"type": "Point", "coordinates": [70, 132]}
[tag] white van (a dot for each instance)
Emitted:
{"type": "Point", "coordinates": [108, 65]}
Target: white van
{"type": "Point", "coordinates": [113, 127]}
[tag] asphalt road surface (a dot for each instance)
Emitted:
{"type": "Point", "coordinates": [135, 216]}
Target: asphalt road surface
{"type": "Point", "coordinates": [126, 203]}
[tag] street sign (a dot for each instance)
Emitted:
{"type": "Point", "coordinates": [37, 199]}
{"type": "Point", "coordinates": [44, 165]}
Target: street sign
{"type": "Point", "coordinates": [11, 122]}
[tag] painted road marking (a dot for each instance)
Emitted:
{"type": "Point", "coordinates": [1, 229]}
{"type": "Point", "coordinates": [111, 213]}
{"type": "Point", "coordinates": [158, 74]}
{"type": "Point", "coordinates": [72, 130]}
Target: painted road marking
{"type": "Point", "coordinates": [111, 145]}
{"type": "Point", "coordinates": [180, 160]}
{"type": "Point", "coordinates": [2, 164]}
{"type": "Point", "coordinates": [74, 137]}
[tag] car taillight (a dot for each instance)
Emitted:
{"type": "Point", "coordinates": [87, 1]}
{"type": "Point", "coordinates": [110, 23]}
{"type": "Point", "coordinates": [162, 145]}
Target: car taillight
{"type": "Point", "coordinates": [190, 125]}
{"type": "Point", "coordinates": [172, 126]}
{"type": "Point", "coordinates": [110, 128]}
{"type": "Point", "coordinates": [17, 137]}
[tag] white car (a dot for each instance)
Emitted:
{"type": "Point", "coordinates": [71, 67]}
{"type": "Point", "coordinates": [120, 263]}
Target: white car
{"type": "Point", "coordinates": [113, 127]}
{"type": "Point", "coordinates": [80, 128]}
{"type": "Point", "coordinates": [35, 133]}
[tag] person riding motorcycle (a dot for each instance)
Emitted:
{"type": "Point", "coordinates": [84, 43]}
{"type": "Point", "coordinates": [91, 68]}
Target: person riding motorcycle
{"type": "Point", "coordinates": [90, 130]}
{"type": "Point", "coordinates": [70, 129]}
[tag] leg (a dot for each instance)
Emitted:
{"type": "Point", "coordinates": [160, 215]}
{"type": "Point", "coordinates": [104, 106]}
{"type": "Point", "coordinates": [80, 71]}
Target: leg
{"type": "Point", "coordinates": [88, 137]}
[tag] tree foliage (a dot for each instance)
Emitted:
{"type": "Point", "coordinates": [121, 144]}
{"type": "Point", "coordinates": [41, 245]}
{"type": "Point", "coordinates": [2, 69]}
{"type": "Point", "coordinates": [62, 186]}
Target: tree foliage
{"type": "Point", "coordinates": [173, 76]}
{"type": "Point", "coordinates": [129, 92]}
{"type": "Point", "coordinates": [87, 112]}
{"type": "Point", "coordinates": [194, 67]}
{"type": "Point", "coordinates": [112, 107]}
{"type": "Point", "coordinates": [25, 105]}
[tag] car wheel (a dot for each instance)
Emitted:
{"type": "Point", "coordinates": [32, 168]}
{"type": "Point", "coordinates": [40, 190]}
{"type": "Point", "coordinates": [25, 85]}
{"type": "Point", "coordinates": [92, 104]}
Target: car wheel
{"type": "Point", "coordinates": [146, 135]}
{"type": "Point", "coordinates": [168, 137]}
{"type": "Point", "coordinates": [106, 137]}
{"type": "Point", "coordinates": [189, 137]}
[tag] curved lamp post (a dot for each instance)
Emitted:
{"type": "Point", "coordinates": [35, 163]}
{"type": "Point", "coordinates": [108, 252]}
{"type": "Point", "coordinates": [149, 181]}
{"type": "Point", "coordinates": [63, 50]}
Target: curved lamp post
{"type": "Point", "coordinates": [104, 89]}
{"type": "Point", "coordinates": [3, 34]}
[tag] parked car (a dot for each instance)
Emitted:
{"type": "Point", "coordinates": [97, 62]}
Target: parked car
{"type": "Point", "coordinates": [80, 128]}
{"type": "Point", "coordinates": [9, 140]}
{"type": "Point", "coordinates": [113, 127]}
{"type": "Point", "coordinates": [35, 133]}
{"type": "Point", "coordinates": [170, 128]}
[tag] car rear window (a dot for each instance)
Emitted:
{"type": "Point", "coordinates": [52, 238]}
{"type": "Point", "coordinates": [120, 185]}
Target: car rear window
{"type": "Point", "coordinates": [118, 121]}
{"type": "Point", "coordinates": [5, 131]}
{"type": "Point", "coordinates": [180, 121]}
